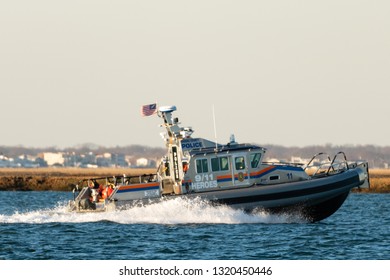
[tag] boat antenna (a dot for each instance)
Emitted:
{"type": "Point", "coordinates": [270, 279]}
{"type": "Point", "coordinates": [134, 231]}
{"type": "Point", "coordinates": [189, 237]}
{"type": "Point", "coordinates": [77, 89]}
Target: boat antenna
{"type": "Point", "coordinates": [215, 130]}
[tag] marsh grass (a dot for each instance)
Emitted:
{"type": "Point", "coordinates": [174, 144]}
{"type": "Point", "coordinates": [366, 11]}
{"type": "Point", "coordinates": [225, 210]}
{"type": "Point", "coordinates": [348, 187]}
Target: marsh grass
{"type": "Point", "coordinates": [58, 179]}
{"type": "Point", "coordinates": [66, 178]}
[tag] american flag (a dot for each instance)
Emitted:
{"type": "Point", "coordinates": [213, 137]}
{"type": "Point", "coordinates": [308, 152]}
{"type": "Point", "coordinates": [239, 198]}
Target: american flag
{"type": "Point", "coordinates": [148, 110]}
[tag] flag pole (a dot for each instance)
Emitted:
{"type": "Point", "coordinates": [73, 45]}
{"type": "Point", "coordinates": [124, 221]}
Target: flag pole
{"type": "Point", "coordinates": [215, 130]}
{"type": "Point", "coordinates": [157, 110]}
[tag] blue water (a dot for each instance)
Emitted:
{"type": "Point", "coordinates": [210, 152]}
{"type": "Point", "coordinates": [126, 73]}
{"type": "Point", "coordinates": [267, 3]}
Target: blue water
{"type": "Point", "coordinates": [35, 225]}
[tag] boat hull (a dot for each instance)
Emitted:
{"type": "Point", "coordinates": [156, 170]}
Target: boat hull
{"type": "Point", "coordinates": [313, 200]}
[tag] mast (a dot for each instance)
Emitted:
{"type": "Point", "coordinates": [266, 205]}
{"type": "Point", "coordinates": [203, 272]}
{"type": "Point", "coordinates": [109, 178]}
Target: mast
{"type": "Point", "coordinates": [172, 175]}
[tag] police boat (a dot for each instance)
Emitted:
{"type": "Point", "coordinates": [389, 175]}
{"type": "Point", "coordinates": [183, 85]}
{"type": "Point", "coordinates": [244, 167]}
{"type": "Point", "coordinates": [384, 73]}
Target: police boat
{"type": "Point", "coordinates": [231, 174]}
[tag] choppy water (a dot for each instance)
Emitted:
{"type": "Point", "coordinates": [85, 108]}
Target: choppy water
{"type": "Point", "coordinates": [35, 225]}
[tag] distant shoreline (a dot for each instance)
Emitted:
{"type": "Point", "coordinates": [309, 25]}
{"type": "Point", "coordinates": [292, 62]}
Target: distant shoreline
{"type": "Point", "coordinates": [56, 179]}
{"type": "Point", "coordinates": [65, 179]}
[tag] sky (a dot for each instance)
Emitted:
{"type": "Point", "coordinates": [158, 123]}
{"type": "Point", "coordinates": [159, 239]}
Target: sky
{"type": "Point", "coordinates": [291, 73]}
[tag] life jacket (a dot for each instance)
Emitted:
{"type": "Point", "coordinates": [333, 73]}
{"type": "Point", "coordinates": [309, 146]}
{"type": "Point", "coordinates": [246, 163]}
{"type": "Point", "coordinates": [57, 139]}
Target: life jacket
{"type": "Point", "coordinates": [103, 192]}
{"type": "Point", "coordinates": [109, 190]}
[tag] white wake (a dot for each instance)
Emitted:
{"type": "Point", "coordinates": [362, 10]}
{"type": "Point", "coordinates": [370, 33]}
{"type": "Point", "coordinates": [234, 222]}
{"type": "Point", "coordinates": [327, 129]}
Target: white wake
{"type": "Point", "coordinates": [173, 211]}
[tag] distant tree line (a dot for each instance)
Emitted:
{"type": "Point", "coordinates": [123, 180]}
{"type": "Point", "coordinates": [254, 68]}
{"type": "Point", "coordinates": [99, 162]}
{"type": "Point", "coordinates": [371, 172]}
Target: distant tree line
{"type": "Point", "coordinates": [134, 150]}
{"type": "Point", "coordinates": [377, 156]}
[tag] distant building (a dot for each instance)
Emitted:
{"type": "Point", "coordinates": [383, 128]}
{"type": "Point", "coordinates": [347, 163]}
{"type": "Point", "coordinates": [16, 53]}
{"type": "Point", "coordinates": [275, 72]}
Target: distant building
{"type": "Point", "coordinates": [27, 161]}
{"type": "Point", "coordinates": [53, 158]}
{"type": "Point", "coordinates": [299, 160]}
{"type": "Point", "coordinates": [8, 162]}
{"type": "Point", "coordinates": [272, 160]}
{"type": "Point", "coordinates": [119, 160]}
{"type": "Point", "coordinates": [88, 159]}
{"type": "Point", "coordinates": [142, 162]}
{"type": "Point", "coordinates": [71, 159]}
{"type": "Point", "coordinates": [103, 161]}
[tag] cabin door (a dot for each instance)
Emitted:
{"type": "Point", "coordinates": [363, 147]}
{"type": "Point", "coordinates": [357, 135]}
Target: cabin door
{"type": "Point", "coordinates": [240, 170]}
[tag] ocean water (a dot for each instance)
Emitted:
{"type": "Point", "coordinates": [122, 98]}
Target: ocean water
{"type": "Point", "coordinates": [36, 226]}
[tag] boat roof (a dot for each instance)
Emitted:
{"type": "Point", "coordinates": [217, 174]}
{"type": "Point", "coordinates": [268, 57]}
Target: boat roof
{"type": "Point", "coordinates": [225, 149]}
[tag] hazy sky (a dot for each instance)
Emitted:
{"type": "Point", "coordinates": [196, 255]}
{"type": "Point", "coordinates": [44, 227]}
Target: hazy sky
{"type": "Point", "coordinates": [277, 72]}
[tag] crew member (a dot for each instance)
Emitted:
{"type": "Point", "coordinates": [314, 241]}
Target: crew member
{"type": "Point", "coordinates": [185, 167]}
{"type": "Point", "coordinates": [103, 192]}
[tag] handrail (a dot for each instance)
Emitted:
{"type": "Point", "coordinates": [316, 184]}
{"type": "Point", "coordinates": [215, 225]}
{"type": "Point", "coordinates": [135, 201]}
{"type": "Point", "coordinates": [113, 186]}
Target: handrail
{"type": "Point", "coordinates": [316, 155]}
{"type": "Point", "coordinates": [116, 179]}
{"type": "Point", "coordinates": [283, 163]}
{"type": "Point", "coordinates": [334, 158]}
{"type": "Point", "coordinates": [332, 164]}
{"type": "Point", "coordinates": [80, 195]}
{"type": "Point", "coordinates": [319, 166]}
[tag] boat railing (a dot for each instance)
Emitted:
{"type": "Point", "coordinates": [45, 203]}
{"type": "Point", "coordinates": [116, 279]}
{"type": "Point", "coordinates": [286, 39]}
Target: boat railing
{"type": "Point", "coordinates": [119, 180]}
{"type": "Point", "coordinates": [81, 193]}
{"type": "Point", "coordinates": [341, 165]}
{"type": "Point", "coordinates": [298, 164]}
{"type": "Point", "coordinates": [137, 179]}
{"type": "Point", "coordinates": [327, 167]}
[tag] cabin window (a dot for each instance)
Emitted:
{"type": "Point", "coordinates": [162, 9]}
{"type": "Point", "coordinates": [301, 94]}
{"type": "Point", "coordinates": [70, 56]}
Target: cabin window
{"type": "Point", "coordinates": [240, 163]}
{"type": "Point", "coordinates": [274, 177]}
{"type": "Point", "coordinates": [219, 164]}
{"type": "Point", "coordinates": [224, 162]}
{"type": "Point", "coordinates": [255, 159]}
{"type": "Point", "coordinates": [202, 166]}
{"type": "Point", "coordinates": [215, 164]}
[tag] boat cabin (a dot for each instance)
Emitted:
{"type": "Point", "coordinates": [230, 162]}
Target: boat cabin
{"type": "Point", "coordinates": [208, 166]}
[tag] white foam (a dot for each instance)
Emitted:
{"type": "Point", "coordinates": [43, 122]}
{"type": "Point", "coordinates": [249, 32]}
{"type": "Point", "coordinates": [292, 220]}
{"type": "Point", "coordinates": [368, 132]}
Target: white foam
{"type": "Point", "coordinates": [173, 211]}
